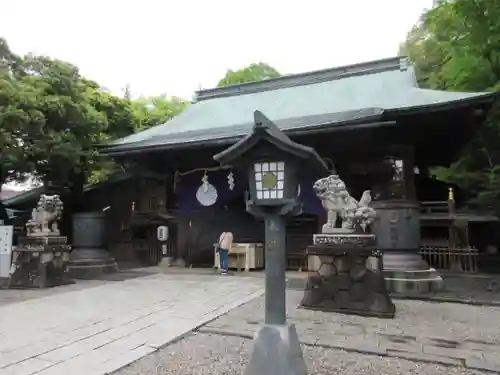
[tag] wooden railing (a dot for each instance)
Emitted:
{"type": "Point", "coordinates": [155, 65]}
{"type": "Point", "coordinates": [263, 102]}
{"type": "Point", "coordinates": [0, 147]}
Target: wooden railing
{"type": "Point", "coordinates": [437, 207]}
{"type": "Point", "coordinates": [449, 259]}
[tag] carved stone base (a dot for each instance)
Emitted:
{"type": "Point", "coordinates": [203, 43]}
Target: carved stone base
{"type": "Point", "coordinates": [40, 262]}
{"type": "Point", "coordinates": [345, 239]}
{"type": "Point", "coordinates": [42, 240]}
{"type": "Point", "coordinates": [347, 279]}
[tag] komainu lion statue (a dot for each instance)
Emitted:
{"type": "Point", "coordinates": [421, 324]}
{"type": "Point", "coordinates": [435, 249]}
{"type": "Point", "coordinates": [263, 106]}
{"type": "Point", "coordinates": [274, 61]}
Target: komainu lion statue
{"type": "Point", "coordinates": [356, 216]}
{"type": "Point", "coordinates": [45, 216]}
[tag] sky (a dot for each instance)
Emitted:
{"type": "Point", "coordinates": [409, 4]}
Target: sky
{"type": "Point", "coordinates": [176, 47]}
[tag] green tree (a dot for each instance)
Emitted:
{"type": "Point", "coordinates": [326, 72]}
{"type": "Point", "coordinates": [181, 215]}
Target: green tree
{"type": "Point", "coordinates": [73, 121]}
{"type": "Point", "coordinates": [19, 117]}
{"type": "Point", "coordinates": [456, 46]}
{"type": "Point", "coordinates": [126, 117]}
{"type": "Point", "coordinates": [254, 72]}
{"type": "Point", "coordinates": [120, 122]}
{"type": "Point", "coordinates": [51, 117]}
{"type": "Point", "coordinates": [17, 108]}
{"type": "Point", "coordinates": [154, 110]}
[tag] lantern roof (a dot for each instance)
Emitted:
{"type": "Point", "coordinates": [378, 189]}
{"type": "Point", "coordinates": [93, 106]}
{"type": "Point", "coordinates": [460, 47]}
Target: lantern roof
{"type": "Point", "coordinates": [266, 130]}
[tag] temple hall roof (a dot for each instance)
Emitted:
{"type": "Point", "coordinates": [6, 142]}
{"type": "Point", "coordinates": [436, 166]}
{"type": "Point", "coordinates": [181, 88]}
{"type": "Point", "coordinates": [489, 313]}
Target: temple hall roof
{"type": "Point", "coordinates": [350, 94]}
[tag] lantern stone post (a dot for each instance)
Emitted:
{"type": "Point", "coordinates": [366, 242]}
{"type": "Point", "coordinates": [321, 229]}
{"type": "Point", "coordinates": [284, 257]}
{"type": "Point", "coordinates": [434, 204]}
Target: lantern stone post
{"type": "Point", "coordinates": [274, 164]}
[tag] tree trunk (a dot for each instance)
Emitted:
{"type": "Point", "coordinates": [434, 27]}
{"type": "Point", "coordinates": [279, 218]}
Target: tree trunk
{"type": "Point", "coordinates": [3, 211]}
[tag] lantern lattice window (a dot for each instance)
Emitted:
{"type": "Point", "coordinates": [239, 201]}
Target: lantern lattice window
{"type": "Point", "coordinates": [270, 180]}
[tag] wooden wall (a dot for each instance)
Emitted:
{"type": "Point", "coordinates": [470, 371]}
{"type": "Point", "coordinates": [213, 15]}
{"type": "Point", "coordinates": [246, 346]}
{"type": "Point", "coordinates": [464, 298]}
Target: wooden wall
{"type": "Point", "coordinates": [117, 199]}
{"type": "Point", "coordinates": [198, 231]}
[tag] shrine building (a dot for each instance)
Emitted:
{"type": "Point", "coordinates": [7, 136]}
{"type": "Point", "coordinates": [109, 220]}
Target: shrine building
{"type": "Point", "coordinates": [370, 122]}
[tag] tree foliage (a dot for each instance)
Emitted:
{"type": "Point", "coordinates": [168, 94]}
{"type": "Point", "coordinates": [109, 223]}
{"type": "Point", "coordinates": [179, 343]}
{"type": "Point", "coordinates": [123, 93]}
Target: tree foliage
{"type": "Point", "coordinates": [456, 46]}
{"type": "Point", "coordinates": [153, 110]}
{"type": "Point", "coordinates": [51, 117]}
{"type": "Point", "coordinates": [254, 72]}
{"type": "Point", "coordinates": [139, 114]}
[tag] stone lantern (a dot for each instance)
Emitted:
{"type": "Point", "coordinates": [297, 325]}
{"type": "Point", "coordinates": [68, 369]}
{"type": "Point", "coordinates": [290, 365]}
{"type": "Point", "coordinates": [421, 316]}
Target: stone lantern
{"type": "Point", "coordinates": [274, 164]}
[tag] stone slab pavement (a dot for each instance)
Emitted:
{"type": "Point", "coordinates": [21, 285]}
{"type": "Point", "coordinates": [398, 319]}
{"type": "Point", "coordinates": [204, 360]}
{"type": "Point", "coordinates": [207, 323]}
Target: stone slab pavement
{"type": "Point", "coordinates": [8, 296]}
{"type": "Point", "coordinates": [95, 331]}
{"type": "Point", "coordinates": [439, 333]}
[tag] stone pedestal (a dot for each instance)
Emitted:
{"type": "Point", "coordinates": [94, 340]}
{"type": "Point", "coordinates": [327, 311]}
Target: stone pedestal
{"type": "Point", "coordinates": [345, 276]}
{"type": "Point", "coordinates": [90, 259]}
{"type": "Point", "coordinates": [276, 351]}
{"type": "Point", "coordinates": [397, 230]}
{"type": "Point", "coordinates": [40, 262]}
{"type": "Point", "coordinates": [406, 274]}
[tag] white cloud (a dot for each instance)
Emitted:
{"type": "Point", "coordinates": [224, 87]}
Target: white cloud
{"type": "Point", "coordinates": [160, 46]}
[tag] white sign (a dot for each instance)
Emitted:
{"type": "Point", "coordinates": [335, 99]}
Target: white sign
{"type": "Point", "coordinates": [162, 233]}
{"type": "Point", "coordinates": [6, 233]}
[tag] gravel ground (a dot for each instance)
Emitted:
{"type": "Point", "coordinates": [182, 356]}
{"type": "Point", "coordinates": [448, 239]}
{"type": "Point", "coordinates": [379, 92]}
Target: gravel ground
{"type": "Point", "coordinates": [205, 353]}
{"type": "Point", "coordinates": [413, 318]}
{"type": "Point", "coordinates": [479, 288]}
{"type": "Point", "coordinates": [223, 355]}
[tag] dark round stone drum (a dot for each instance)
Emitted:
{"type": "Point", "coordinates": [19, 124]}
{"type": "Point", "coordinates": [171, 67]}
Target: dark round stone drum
{"type": "Point", "coordinates": [90, 258]}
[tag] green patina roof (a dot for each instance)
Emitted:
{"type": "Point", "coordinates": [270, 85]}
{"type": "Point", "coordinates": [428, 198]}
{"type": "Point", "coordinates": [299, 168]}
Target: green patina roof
{"type": "Point", "coordinates": [326, 97]}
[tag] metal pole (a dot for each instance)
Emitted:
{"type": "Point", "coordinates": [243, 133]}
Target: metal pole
{"type": "Point", "coordinates": [275, 305]}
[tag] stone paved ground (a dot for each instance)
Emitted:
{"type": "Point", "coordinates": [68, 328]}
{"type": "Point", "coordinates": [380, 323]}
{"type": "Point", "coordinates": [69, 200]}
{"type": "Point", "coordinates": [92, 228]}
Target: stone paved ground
{"type": "Point", "coordinates": [8, 296]}
{"type": "Point", "coordinates": [95, 330]}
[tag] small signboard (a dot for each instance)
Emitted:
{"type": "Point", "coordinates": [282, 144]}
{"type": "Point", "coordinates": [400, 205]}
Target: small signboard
{"type": "Point", "coordinates": [6, 234]}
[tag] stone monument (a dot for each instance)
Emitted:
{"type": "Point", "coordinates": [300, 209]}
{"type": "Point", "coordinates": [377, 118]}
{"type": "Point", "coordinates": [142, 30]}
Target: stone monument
{"type": "Point", "coordinates": [41, 257]}
{"type": "Point", "coordinates": [397, 230]}
{"type": "Point", "coordinates": [345, 267]}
